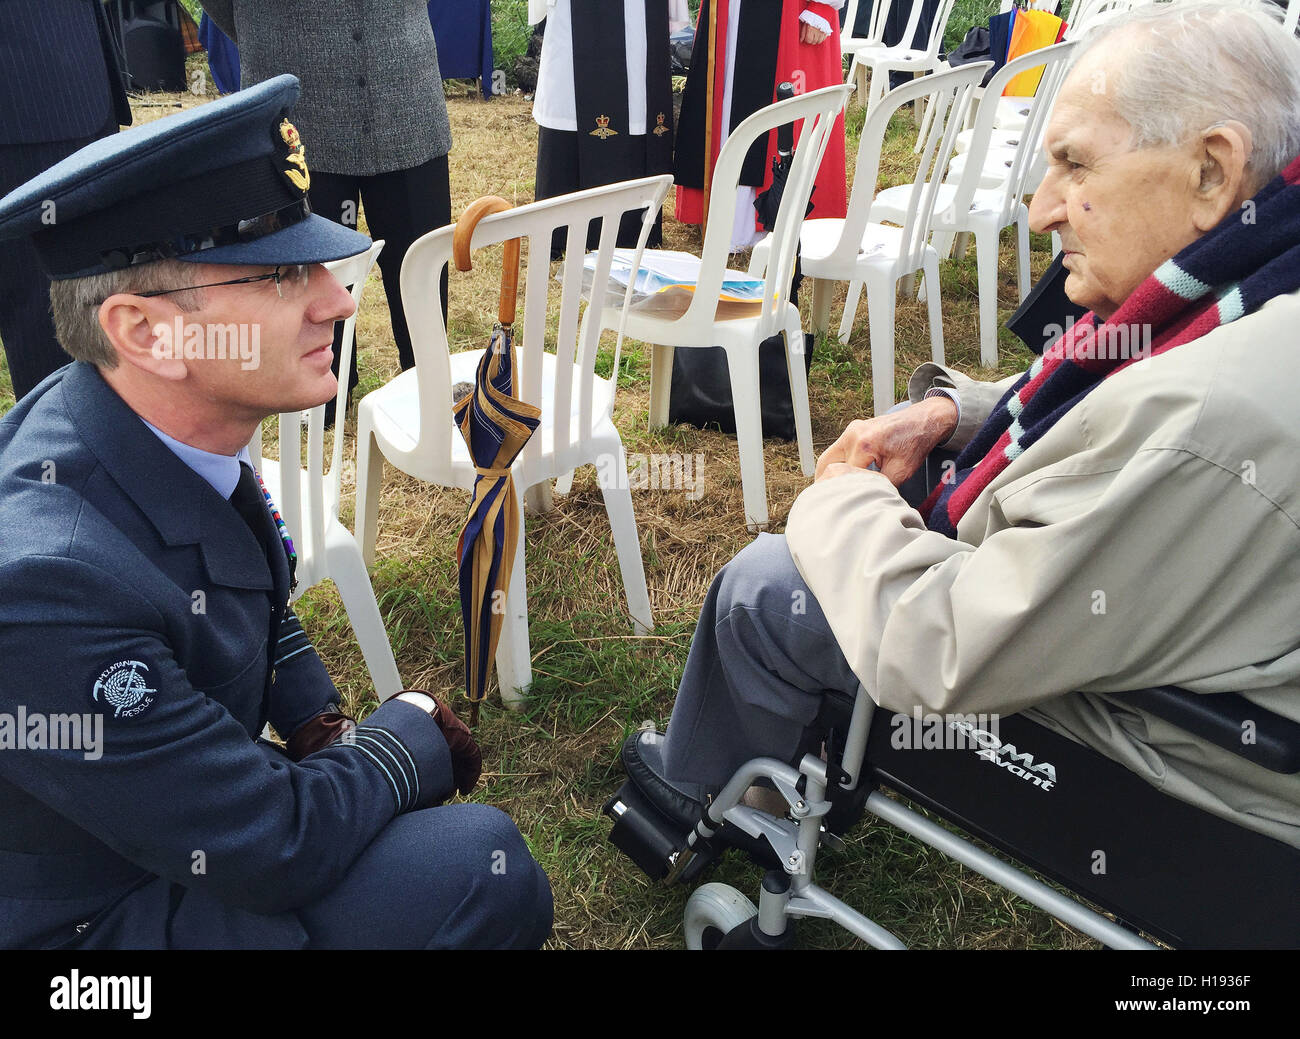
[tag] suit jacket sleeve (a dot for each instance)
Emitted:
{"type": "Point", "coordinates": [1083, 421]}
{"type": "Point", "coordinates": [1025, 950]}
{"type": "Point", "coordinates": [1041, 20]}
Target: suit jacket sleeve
{"type": "Point", "coordinates": [301, 687]}
{"type": "Point", "coordinates": [176, 773]}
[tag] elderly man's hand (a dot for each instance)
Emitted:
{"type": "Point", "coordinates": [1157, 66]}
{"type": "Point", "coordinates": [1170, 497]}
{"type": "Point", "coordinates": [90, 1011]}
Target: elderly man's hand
{"type": "Point", "coordinates": [896, 442]}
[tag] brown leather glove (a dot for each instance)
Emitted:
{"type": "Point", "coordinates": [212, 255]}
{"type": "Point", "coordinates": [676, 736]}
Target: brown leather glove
{"type": "Point", "coordinates": [318, 733]}
{"type": "Point", "coordinates": [466, 758]}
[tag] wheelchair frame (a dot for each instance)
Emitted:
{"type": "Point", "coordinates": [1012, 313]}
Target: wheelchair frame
{"type": "Point", "coordinates": [790, 893]}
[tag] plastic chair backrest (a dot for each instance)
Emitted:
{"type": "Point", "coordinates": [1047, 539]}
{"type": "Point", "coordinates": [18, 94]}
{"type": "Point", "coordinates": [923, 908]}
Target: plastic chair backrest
{"type": "Point", "coordinates": [322, 497]}
{"type": "Point", "coordinates": [949, 96]}
{"type": "Point", "coordinates": [1055, 62]}
{"type": "Point", "coordinates": [1292, 16]}
{"type": "Point", "coordinates": [535, 223]}
{"type": "Point", "coordinates": [818, 110]}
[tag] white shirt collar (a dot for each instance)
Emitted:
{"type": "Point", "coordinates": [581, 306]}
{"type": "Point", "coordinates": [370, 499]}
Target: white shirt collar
{"type": "Point", "coordinates": [221, 471]}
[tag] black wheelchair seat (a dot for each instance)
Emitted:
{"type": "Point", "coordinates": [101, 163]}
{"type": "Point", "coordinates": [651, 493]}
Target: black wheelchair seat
{"type": "Point", "coordinates": [1182, 875]}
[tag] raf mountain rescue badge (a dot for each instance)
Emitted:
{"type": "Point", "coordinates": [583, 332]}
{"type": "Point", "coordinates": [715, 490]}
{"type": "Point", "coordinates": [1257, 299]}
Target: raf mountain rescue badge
{"type": "Point", "coordinates": [123, 688]}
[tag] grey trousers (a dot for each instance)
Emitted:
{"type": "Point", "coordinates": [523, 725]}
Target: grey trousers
{"type": "Point", "coordinates": [760, 661]}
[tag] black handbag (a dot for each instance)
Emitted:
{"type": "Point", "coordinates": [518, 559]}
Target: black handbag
{"type": "Point", "coordinates": [701, 389]}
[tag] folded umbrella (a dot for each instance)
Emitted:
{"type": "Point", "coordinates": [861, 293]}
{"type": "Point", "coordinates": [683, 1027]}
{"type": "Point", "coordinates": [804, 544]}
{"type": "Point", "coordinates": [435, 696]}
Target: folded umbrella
{"type": "Point", "coordinates": [496, 425]}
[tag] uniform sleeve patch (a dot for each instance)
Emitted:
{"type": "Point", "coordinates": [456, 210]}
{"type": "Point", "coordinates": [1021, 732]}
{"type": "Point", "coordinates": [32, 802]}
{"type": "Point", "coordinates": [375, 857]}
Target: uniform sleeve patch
{"type": "Point", "coordinates": [124, 687]}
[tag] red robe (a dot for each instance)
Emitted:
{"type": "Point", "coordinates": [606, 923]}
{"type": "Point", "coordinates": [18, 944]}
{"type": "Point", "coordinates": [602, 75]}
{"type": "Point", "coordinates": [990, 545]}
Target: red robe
{"type": "Point", "coordinates": [808, 68]}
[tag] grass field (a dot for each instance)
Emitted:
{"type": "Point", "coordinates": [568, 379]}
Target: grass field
{"type": "Point", "coordinates": [552, 765]}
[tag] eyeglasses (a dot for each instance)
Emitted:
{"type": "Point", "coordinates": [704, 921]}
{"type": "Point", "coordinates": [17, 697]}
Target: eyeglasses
{"type": "Point", "coordinates": [289, 282]}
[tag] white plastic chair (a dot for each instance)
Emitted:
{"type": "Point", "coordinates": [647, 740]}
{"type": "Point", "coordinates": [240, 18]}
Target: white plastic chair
{"type": "Point", "coordinates": [882, 59]}
{"type": "Point", "coordinates": [740, 330]}
{"type": "Point", "coordinates": [309, 504]}
{"type": "Point", "coordinates": [409, 421]}
{"type": "Point", "coordinates": [864, 252]}
{"type": "Point", "coordinates": [850, 44]}
{"type": "Point", "coordinates": [1292, 16]}
{"type": "Point", "coordinates": [963, 204]}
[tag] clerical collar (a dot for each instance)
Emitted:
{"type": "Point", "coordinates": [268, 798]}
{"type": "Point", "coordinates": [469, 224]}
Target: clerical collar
{"type": "Point", "coordinates": [221, 471]}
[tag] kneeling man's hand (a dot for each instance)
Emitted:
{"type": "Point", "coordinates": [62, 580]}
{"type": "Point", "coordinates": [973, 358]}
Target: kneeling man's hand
{"type": "Point", "coordinates": [897, 442]}
{"type": "Point", "coordinates": [466, 758]}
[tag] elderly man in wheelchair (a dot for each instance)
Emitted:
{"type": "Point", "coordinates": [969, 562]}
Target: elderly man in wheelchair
{"type": "Point", "coordinates": [1084, 614]}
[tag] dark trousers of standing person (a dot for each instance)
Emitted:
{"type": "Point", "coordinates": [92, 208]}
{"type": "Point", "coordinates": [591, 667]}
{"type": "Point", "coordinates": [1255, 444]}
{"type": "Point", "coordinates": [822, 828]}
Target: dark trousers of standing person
{"type": "Point", "coordinates": [26, 326]}
{"type": "Point", "coordinates": [400, 207]}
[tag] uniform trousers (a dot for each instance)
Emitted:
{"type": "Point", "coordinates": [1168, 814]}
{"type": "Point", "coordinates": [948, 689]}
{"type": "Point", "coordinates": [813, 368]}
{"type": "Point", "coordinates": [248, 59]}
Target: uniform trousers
{"type": "Point", "coordinates": [400, 207]}
{"type": "Point", "coordinates": [762, 657]}
{"type": "Point", "coordinates": [26, 327]}
{"type": "Point", "coordinates": [453, 877]}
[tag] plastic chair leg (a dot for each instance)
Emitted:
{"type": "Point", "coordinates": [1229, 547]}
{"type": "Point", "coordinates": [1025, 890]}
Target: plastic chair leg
{"type": "Point", "coordinates": [934, 306]}
{"type": "Point", "coordinates": [344, 564]}
{"type": "Point", "coordinates": [370, 481]}
{"type": "Point", "coordinates": [797, 365]}
{"type": "Point", "coordinates": [661, 383]}
{"type": "Point", "coordinates": [880, 312]}
{"type": "Point", "coordinates": [821, 305]}
{"type": "Point", "coordinates": [850, 309]}
{"type": "Point", "coordinates": [514, 657]}
{"type": "Point", "coordinates": [622, 523]}
{"type": "Point", "coordinates": [1022, 251]}
{"type": "Point", "coordinates": [538, 498]}
{"type": "Point", "coordinates": [742, 363]}
{"type": "Point", "coordinates": [986, 264]}
{"type": "Point", "coordinates": [564, 484]}
{"type": "Point", "coordinates": [924, 131]}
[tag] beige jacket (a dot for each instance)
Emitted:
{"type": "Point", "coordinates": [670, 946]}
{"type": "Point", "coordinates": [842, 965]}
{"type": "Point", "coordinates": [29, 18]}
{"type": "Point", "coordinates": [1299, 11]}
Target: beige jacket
{"type": "Point", "coordinates": [1152, 536]}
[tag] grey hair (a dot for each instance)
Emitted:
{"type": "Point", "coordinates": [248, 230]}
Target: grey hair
{"type": "Point", "coordinates": [75, 303]}
{"type": "Point", "coordinates": [1197, 63]}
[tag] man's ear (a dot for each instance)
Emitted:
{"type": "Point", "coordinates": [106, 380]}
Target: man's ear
{"type": "Point", "coordinates": [1225, 182]}
{"type": "Point", "coordinates": [146, 333]}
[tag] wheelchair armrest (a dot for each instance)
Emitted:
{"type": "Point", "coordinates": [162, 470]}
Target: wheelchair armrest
{"type": "Point", "coordinates": [1223, 719]}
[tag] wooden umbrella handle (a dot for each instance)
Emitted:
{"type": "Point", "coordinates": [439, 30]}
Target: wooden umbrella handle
{"type": "Point", "coordinates": [460, 251]}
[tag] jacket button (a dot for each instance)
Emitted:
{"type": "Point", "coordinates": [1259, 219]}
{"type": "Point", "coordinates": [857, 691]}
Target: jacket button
{"type": "Point", "coordinates": [361, 81]}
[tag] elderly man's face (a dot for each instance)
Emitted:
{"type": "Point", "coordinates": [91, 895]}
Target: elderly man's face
{"type": "Point", "coordinates": [1121, 212]}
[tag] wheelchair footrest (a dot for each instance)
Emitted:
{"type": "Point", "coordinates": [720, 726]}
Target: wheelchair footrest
{"type": "Point", "coordinates": [646, 836]}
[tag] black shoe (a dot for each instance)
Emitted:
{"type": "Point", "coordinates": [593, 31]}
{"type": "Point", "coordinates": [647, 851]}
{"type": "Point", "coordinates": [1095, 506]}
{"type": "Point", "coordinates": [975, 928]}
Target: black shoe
{"type": "Point", "coordinates": [682, 802]}
{"type": "Point", "coordinates": [642, 756]}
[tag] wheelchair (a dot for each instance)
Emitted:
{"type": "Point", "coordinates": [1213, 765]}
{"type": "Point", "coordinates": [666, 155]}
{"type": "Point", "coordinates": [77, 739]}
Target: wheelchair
{"type": "Point", "coordinates": [1177, 874]}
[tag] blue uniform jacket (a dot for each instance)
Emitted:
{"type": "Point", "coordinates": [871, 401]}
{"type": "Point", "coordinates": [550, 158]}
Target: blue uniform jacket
{"type": "Point", "coordinates": [131, 590]}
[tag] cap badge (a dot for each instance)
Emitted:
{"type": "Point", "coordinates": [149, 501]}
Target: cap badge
{"type": "Point", "coordinates": [659, 129]}
{"type": "Point", "coordinates": [297, 172]}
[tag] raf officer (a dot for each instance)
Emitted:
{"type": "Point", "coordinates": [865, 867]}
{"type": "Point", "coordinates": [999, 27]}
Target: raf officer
{"type": "Point", "coordinates": [125, 493]}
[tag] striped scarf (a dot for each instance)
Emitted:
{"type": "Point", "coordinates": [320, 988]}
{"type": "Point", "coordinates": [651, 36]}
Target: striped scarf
{"type": "Point", "coordinates": [1250, 257]}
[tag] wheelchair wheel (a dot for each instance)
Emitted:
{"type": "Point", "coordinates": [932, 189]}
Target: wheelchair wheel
{"type": "Point", "coordinates": [712, 911]}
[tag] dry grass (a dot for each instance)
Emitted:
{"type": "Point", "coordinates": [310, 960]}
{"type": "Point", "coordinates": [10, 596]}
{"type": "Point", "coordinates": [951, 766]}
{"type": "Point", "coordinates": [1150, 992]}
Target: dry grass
{"type": "Point", "coordinates": [551, 766]}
